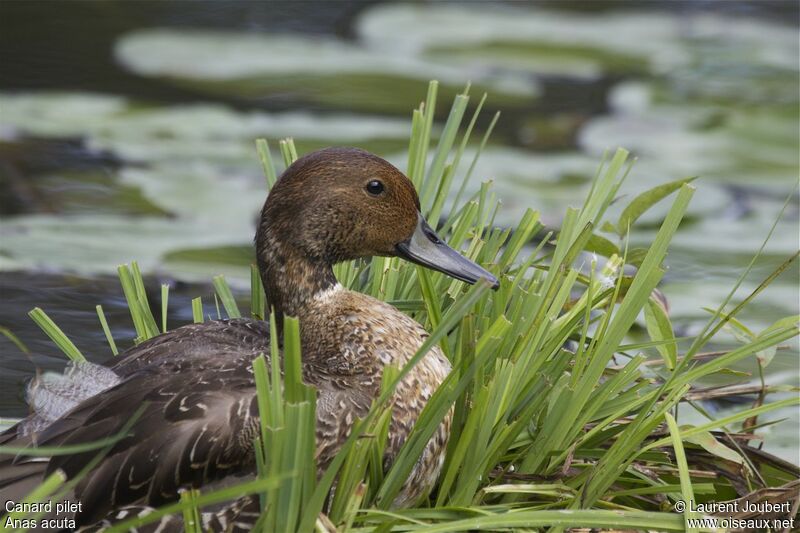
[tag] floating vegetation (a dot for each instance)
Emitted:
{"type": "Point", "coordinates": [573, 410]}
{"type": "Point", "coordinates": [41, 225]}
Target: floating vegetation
{"type": "Point", "coordinates": [322, 70]}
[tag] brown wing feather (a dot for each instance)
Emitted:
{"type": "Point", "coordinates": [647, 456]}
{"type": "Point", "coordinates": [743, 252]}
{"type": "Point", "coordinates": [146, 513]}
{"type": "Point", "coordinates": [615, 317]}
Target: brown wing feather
{"type": "Point", "coordinates": [183, 438]}
{"type": "Point", "coordinates": [190, 431]}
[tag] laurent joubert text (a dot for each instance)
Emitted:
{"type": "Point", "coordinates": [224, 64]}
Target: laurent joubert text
{"type": "Point", "coordinates": [751, 523]}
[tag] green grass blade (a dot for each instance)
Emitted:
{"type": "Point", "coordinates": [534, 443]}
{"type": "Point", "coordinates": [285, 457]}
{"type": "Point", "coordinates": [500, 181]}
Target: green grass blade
{"type": "Point", "coordinates": [258, 303]}
{"type": "Point", "coordinates": [106, 330]}
{"type": "Point", "coordinates": [133, 287]}
{"type": "Point", "coordinates": [7, 333]}
{"type": "Point", "coordinates": [636, 520]}
{"type": "Point", "coordinates": [288, 151]}
{"type": "Point", "coordinates": [56, 335]}
{"type": "Point", "coordinates": [226, 296]}
{"type": "Point", "coordinates": [164, 306]}
{"type": "Point", "coordinates": [265, 156]}
{"type": "Point", "coordinates": [446, 140]}
{"type": "Point", "coordinates": [683, 471]}
{"type": "Point", "coordinates": [191, 514]}
{"type": "Point", "coordinates": [197, 310]}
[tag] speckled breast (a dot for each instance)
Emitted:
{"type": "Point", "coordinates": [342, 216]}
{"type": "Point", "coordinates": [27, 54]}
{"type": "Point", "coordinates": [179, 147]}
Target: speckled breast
{"type": "Point", "coordinates": [359, 337]}
{"type": "Point", "coordinates": [412, 395]}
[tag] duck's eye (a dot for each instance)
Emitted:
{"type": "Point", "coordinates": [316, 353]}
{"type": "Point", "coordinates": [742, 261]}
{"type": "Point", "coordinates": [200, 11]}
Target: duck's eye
{"type": "Point", "coordinates": [375, 187]}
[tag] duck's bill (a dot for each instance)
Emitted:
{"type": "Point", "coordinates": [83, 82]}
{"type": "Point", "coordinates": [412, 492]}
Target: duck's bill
{"type": "Point", "coordinates": [427, 249]}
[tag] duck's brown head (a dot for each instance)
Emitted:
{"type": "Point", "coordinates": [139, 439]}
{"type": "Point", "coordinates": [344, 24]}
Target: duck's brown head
{"type": "Point", "coordinates": [344, 203]}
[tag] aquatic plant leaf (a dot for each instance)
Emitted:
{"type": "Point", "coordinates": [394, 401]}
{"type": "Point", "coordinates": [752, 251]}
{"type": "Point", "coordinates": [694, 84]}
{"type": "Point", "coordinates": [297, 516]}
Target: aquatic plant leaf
{"type": "Point", "coordinates": [601, 245]}
{"type": "Point", "coordinates": [644, 201]}
{"type": "Point", "coordinates": [712, 445]}
{"type": "Point", "coordinates": [659, 328]}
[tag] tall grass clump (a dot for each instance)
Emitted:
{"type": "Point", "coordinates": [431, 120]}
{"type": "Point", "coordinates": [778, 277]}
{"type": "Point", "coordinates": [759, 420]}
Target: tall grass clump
{"type": "Point", "coordinates": [560, 420]}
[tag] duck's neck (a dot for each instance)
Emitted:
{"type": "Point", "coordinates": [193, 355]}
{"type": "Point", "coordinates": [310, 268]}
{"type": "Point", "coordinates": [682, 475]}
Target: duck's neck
{"type": "Point", "coordinates": [292, 279]}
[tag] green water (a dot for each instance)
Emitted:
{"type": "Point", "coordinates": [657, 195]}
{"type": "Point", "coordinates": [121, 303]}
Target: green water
{"type": "Point", "coordinates": [128, 134]}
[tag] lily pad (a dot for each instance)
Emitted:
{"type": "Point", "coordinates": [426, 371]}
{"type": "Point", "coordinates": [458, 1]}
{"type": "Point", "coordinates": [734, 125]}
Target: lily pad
{"type": "Point", "coordinates": [234, 259]}
{"type": "Point", "coordinates": [510, 34]}
{"type": "Point", "coordinates": [210, 208]}
{"type": "Point", "coordinates": [70, 193]}
{"type": "Point", "coordinates": [320, 70]}
{"type": "Point", "coordinates": [540, 58]}
{"type": "Point", "coordinates": [139, 132]}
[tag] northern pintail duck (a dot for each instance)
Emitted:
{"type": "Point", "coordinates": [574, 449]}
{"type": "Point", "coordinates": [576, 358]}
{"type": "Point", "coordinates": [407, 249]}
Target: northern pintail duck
{"type": "Point", "coordinates": [196, 381]}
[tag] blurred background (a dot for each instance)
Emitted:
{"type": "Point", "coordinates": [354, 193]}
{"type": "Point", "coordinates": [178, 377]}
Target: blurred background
{"type": "Point", "coordinates": [127, 129]}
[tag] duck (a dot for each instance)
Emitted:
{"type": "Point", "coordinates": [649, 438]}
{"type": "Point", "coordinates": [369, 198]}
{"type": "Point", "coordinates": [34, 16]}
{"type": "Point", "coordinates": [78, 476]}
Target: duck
{"type": "Point", "coordinates": [195, 385]}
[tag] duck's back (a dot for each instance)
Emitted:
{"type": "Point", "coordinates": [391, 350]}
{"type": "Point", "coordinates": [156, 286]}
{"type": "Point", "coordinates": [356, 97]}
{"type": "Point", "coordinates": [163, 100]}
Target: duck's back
{"type": "Point", "coordinates": [192, 391]}
{"type": "Point", "coordinates": [217, 344]}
